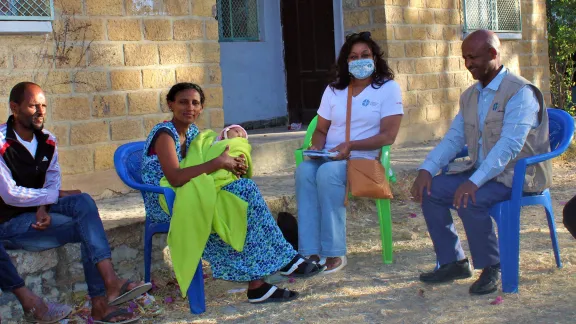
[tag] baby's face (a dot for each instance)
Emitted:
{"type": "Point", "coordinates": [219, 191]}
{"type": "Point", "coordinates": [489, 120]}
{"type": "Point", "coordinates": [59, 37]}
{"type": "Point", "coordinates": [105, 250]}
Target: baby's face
{"type": "Point", "coordinates": [235, 132]}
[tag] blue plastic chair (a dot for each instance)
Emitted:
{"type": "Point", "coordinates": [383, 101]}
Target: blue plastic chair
{"type": "Point", "coordinates": [507, 213]}
{"type": "Point", "coordinates": [128, 162]}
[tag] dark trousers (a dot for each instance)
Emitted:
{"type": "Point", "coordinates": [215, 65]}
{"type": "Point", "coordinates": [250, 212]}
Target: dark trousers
{"type": "Point", "coordinates": [569, 215]}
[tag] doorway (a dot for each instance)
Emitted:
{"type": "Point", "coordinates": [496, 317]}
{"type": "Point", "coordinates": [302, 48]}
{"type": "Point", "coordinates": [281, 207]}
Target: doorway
{"type": "Point", "coordinates": [309, 54]}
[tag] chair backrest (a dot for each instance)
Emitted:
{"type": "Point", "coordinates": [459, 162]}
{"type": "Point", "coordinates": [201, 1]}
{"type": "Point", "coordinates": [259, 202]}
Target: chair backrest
{"type": "Point", "coordinates": [128, 163]}
{"type": "Point", "coordinates": [561, 129]}
{"type": "Point", "coordinates": [309, 132]}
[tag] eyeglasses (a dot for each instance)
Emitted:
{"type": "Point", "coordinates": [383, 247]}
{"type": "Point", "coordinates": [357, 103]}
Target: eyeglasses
{"type": "Point", "coordinates": [365, 35]}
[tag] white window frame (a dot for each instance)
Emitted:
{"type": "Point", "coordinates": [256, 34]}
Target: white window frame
{"type": "Point", "coordinates": [27, 24]}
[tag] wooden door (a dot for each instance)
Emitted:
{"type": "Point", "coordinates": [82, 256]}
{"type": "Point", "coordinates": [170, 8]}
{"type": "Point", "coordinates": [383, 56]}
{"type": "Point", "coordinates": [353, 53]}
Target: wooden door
{"type": "Point", "coordinates": [308, 32]}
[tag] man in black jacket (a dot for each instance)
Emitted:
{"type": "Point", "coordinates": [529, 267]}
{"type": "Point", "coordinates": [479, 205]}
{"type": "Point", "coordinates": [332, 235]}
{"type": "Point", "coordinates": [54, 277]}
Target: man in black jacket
{"type": "Point", "coordinates": [36, 215]}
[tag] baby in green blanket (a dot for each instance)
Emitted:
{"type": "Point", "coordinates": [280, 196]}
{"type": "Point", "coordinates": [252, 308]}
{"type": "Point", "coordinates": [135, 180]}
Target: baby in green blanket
{"type": "Point", "coordinates": [236, 138]}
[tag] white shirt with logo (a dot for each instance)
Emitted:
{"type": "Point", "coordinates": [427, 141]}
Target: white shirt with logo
{"type": "Point", "coordinates": [31, 146]}
{"type": "Point", "coordinates": [368, 108]}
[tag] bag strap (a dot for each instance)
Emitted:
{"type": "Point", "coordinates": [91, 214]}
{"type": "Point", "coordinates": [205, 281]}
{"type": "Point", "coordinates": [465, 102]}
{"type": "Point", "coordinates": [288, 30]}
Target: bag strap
{"type": "Point", "coordinates": [348, 117]}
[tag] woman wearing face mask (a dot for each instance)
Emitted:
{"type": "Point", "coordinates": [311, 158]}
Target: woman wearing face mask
{"type": "Point", "coordinates": [375, 120]}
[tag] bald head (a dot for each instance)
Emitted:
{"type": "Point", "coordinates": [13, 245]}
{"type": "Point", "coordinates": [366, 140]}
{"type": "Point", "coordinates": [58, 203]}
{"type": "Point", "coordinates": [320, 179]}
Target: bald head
{"type": "Point", "coordinates": [481, 53]}
{"type": "Point", "coordinates": [28, 106]}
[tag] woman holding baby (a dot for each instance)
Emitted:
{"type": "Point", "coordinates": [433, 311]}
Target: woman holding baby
{"type": "Point", "coordinates": [376, 113]}
{"type": "Point", "coordinates": [265, 249]}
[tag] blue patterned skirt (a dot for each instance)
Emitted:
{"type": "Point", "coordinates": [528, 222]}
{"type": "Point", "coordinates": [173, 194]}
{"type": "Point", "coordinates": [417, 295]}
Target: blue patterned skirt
{"type": "Point", "coordinates": [265, 249]}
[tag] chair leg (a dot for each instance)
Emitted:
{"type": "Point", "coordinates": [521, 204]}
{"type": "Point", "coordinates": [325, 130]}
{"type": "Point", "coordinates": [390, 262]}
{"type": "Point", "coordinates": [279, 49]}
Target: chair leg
{"type": "Point", "coordinates": [509, 244]}
{"type": "Point", "coordinates": [195, 292]}
{"type": "Point", "coordinates": [385, 219]}
{"type": "Point", "coordinates": [552, 227]}
{"type": "Point", "coordinates": [147, 253]}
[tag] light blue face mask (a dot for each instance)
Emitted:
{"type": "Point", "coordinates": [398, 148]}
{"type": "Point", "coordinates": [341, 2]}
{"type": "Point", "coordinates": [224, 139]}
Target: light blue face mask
{"type": "Point", "coordinates": [361, 69]}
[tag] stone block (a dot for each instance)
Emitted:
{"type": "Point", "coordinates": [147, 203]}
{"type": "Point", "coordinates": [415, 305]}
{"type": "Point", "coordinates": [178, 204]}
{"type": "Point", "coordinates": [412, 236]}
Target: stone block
{"type": "Point", "coordinates": [205, 52]}
{"type": "Point", "coordinates": [442, 49]}
{"type": "Point", "coordinates": [203, 7]}
{"type": "Point", "coordinates": [428, 49]}
{"type": "Point", "coordinates": [124, 30]}
{"type": "Point", "coordinates": [203, 121]}
{"type": "Point", "coordinates": [405, 66]}
{"type": "Point", "coordinates": [426, 16]}
{"type": "Point", "coordinates": [106, 55]}
{"type": "Point", "coordinates": [104, 156]}
{"type": "Point", "coordinates": [68, 6]}
{"type": "Point", "coordinates": [453, 64]}
{"type": "Point", "coordinates": [411, 16]}
{"type": "Point", "coordinates": [124, 253]}
{"type": "Point", "coordinates": [89, 133]}
{"type": "Point", "coordinates": [434, 4]}
{"type": "Point", "coordinates": [68, 56]}
{"type": "Point", "coordinates": [174, 53]}
{"type": "Point", "coordinates": [211, 30]}
{"type": "Point", "coordinates": [402, 32]}
{"type": "Point", "coordinates": [62, 133]}
{"type": "Point", "coordinates": [431, 81]}
{"type": "Point", "coordinates": [126, 129]}
{"type": "Point", "coordinates": [104, 7]}
{"type": "Point", "coordinates": [158, 78]}
{"type": "Point", "coordinates": [188, 29]}
{"type": "Point", "coordinates": [356, 18]}
{"type": "Point", "coordinates": [40, 56]}
{"type": "Point", "coordinates": [5, 58]}
{"type": "Point", "coordinates": [461, 79]}
{"type": "Point", "coordinates": [451, 33]}
{"type": "Point", "coordinates": [70, 108]}
{"type": "Point", "coordinates": [55, 82]}
{"type": "Point", "coordinates": [429, 65]}
{"type": "Point", "coordinates": [419, 33]}
{"type": "Point", "coordinates": [450, 4]}
{"type": "Point", "coordinates": [194, 74]}
{"type": "Point", "coordinates": [456, 49]}
{"type": "Point", "coordinates": [9, 80]}
{"type": "Point", "coordinates": [141, 54]}
{"type": "Point", "coordinates": [33, 262]}
{"type": "Point", "coordinates": [176, 7]}
{"type": "Point", "coordinates": [417, 116]}
{"type": "Point", "coordinates": [158, 29]}
{"type": "Point", "coordinates": [76, 160]}
{"type": "Point", "coordinates": [453, 94]}
{"type": "Point", "coordinates": [90, 82]}
{"type": "Point", "coordinates": [143, 103]}
{"type": "Point", "coordinates": [370, 3]}
{"type": "Point", "coordinates": [390, 15]}
{"type": "Point", "coordinates": [151, 121]}
{"type": "Point", "coordinates": [126, 79]}
{"type": "Point", "coordinates": [78, 29]}
{"type": "Point", "coordinates": [395, 50]}
{"type": "Point", "coordinates": [214, 75]}
{"type": "Point", "coordinates": [214, 97]}
{"type": "Point", "coordinates": [216, 117]}
{"type": "Point", "coordinates": [409, 99]}
{"type": "Point", "coordinates": [424, 98]}
{"type": "Point", "coordinates": [449, 111]}
{"type": "Point", "coordinates": [413, 49]}
{"type": "Point", "coordinates": [435, 33]}
{"type": "Point", "coordinates": [104, 106]}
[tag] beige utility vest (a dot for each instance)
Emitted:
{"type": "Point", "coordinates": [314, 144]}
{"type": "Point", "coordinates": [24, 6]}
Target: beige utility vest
{"type": "Point", "coordinates": [539, 176]}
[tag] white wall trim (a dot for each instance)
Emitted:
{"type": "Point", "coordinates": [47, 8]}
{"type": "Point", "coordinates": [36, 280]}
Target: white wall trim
{"type": "Point", "coordinates": [338, 25]}
{"type": "Point", "coordinates": [502, 36]}
{"type": "Point", "coordinates": [25, 27]}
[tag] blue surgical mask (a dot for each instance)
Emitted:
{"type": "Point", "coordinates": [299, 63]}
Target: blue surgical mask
{"type": "Point", "coordinates": [361, 69]}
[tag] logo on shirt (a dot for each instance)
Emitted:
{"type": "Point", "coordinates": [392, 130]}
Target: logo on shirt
{"type": "Point", "coordinates": [495, 107]}
{"type": "Point", "coordinates": [45, 159]}
{"type": "Point", "coordinates": [365, 102]}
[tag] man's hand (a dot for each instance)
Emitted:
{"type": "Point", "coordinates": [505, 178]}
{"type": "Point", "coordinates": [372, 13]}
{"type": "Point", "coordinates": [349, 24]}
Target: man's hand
{"type": "Point", "coordinates": [66, 193]}
{"type": "Point", "coordinates": [42, 219]}
{"type": "Point", "coordinates": [466, 191]}
{"type": "Point", "coordinates": [423, 182]}
{"type": "Point", "coordinates": [343, 150]}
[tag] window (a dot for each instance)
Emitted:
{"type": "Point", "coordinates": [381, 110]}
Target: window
{"type": "Point", "coordinates": [26, 10]}
{"type": "Point", "coordinates": [502, 16]}
{"type": "Point", "coordinates": [238, 20]}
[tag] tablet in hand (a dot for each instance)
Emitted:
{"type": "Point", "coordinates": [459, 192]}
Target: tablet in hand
{"type": "Point", "coordinates": [322, 153]}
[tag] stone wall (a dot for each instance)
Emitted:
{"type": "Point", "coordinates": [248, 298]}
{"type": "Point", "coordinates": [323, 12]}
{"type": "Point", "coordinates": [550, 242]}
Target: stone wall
{"type": "Point", "coordinates": [106, 70]}
{"type": "Point", "coordinates": [421, 40]}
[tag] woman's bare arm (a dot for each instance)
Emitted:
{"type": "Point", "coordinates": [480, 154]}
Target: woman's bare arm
{"type": "Point", "coordinates": [319, 135]}
{"type": "Point", "coordinates": [389, 127]}
{"type": "Point", "coordinates": [177, 177]}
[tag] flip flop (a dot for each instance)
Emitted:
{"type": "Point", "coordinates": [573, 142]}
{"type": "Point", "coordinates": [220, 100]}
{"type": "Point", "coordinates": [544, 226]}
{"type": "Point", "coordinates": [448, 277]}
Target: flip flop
{"type": "Point", "coordinates": [338, 268]}
{"type": "Point", "coordinates": [55, 313]}
{"type": "Point", "coordinates": [120, 312]}
{"type": "Point", "coordinates": [286, 296]}
{"type": "Point", "coordinates": [311, 269]}
{"type": "Point", "coordinates": [126, 296]}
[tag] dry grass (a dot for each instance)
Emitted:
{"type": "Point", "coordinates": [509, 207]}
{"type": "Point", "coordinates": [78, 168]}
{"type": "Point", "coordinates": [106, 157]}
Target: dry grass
{"type": "Point", "coordinates": [368, 291]}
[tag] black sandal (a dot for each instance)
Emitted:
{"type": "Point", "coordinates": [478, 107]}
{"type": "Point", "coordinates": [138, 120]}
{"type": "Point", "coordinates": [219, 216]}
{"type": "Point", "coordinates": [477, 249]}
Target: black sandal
{"type": "Point", "coordinates": [268, 293]}
{"type": "Point", "coordinates": [301, 267]}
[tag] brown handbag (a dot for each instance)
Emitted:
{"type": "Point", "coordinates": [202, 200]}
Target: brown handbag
{"type": "Point", "coordinates": [365, 177]}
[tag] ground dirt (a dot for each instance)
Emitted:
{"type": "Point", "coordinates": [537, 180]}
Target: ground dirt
{"type": "Point", "coordinates": [367, 291]}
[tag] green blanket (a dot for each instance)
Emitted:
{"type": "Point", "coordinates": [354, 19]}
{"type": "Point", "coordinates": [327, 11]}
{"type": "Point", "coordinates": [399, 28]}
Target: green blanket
{"type": "Point", "coordinates": [201, 208]}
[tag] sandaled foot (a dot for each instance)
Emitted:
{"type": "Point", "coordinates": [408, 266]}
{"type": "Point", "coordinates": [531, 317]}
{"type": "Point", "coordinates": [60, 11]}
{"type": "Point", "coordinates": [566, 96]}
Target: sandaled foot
{"type": "Point", "coordinates": [128, 292]}
{"type": "Point", "coordinates": [52, 314]}
{"type": "Point", "coordinates": [117, 316]}
{"type": "Point", "coordinates": [270, 294]}
{"type": "Point", "coordinates": [301, 267]}
{"type": "Point", "coordinates": [335, 264]}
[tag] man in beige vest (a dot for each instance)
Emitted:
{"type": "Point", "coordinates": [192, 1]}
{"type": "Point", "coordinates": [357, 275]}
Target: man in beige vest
{"type": "Point", "coordinates": [502, 119]}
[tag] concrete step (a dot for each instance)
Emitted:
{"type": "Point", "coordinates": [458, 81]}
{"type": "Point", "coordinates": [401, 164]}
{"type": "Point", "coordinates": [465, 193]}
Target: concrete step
{"type": "Point", "coordinates": [273, 149]}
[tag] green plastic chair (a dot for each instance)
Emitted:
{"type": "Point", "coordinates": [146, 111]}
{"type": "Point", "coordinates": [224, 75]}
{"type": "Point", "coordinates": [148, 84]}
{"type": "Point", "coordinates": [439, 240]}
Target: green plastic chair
{"type": "Point", "coordinates": [383, 205]}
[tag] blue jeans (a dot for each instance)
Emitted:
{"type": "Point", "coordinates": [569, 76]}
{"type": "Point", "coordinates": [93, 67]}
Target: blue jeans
{"type": "Point", "coordinates": [475, 218]}
{"type": "Point", "coordinates": [74, 219]}
{"type": "Point", "coordinates": [320, 193]}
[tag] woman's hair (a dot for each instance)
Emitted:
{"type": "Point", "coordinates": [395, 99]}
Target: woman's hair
{"type": "Point", "coordinates": [171, 96]}
{"type": "Point", "coordinates": [342, 77]}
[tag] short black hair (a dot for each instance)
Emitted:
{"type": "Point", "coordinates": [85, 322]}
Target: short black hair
{"type": "Point", "coordinates": [17, 93]}
{"type": "Point", "coordinates": [171, 96]}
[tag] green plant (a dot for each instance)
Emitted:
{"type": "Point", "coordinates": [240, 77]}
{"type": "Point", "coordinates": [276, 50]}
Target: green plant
{"type": "Point", "coordinates": [561, 20]}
